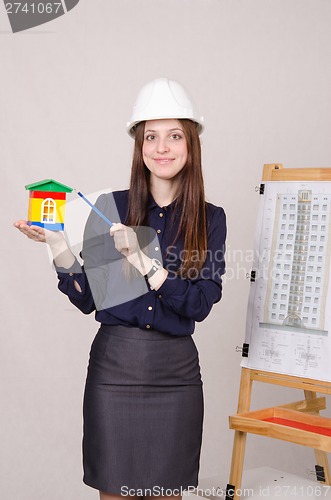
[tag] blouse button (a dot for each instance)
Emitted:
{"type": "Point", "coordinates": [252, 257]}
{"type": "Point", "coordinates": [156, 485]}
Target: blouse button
{"type": "Point", "coordinates": [158, 231]}
{"type": "Point", "coordinates": [148, 326]}
{"type": "Point", "coordinates": [159, 296]}
{"type": "Point", "coordinates": [71, 274]}
{"type": "Point", "coordinates": [156, 248]}
{"type": "Point", "coordinates": [150, 308]}
{"type": "Point", "coordinates": [161, 214]}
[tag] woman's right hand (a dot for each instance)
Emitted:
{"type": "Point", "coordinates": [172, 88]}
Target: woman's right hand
{"type": "Point", "coordinates": [63, 257]}
{"type": "Point", "coordinates": [39, 234]}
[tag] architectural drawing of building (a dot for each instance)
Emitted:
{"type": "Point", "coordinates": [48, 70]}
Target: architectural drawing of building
{"type": "Point", "coordinates": [299, 269]}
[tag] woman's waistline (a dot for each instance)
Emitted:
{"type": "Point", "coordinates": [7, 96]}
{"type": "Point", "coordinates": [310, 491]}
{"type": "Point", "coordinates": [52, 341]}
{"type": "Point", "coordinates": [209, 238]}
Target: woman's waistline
{"type": "Point", "coordinates": [134, 332]}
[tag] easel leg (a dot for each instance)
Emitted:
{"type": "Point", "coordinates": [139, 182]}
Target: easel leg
{"type": "Point", "coordinates": [322, 460]}
{"type": "Point", "coordinates": [239, 443]}
{"type": "Point", "coordinates": [321, 456]}
{"type": "Point", "coordinates": [237, 464]}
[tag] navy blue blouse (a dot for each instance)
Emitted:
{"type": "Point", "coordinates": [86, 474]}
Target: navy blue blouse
{"type": "Point", "coordinates": [121, 297]}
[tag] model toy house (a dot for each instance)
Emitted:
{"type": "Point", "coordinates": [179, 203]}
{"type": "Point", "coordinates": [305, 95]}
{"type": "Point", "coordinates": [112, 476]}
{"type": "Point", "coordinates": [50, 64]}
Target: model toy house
{"type": "Point", "coordinates": [47, 204]}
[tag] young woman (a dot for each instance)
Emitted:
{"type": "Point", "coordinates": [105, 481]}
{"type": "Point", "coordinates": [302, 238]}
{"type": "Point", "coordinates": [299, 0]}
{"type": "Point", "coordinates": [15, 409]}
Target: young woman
{"type": "Point", "coordinates": [149, 278]}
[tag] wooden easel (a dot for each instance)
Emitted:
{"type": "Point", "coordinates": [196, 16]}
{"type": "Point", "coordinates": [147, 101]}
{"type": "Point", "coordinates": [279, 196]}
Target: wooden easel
{"type": "Point", "coordinates": [298, 422]}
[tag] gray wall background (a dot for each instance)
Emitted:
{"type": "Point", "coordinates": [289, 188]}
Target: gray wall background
{"type": "Point", "coordinates": [260, 73]}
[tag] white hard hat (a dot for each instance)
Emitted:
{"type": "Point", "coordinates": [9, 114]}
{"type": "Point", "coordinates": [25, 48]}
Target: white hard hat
{"type": "Point", "coordinates": [160, 99]}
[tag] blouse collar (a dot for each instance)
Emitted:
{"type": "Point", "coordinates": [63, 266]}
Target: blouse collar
{"type": "Point", "coordinates": [152, 203]}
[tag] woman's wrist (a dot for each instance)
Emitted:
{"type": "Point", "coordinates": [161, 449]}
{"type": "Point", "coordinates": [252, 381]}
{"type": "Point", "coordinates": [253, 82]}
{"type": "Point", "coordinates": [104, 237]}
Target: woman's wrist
{"type": "Point", "coordinates": [157, 280]}
{"type": "Point", "coordinates": [62, 255]}
{"type": "Point", "coordinates": [58, 247]}
{"type": "Point", "coordinates": [141, 262]}
{"type": "Point", "coordinates": [144, 264]}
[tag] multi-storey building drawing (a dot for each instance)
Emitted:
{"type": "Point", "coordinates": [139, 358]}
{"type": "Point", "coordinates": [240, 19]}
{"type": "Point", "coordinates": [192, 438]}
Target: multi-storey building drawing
{"type": "Point", "coordinates": [299, 267]}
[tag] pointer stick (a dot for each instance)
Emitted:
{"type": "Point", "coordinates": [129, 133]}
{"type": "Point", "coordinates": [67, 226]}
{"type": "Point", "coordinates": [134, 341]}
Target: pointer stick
{"type": "Point", "coordinates": [95, 209]}
{"type": "Point", "coordinates": [105, 219]}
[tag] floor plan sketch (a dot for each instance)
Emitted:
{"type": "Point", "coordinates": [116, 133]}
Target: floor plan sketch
{"type": "Point", "coordinates": [288, 319]}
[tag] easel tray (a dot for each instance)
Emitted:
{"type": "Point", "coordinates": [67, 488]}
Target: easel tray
{"type": "Point", "coordinates": [288, 425]}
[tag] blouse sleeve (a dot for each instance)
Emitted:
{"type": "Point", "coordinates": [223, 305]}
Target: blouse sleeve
{"type": "Point", "coordinates": [194, 298]}
{"type": "Point", "coordinates": [91, 276]}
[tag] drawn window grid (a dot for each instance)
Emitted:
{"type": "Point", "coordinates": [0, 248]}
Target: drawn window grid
{"type": "Point", "coordinates": [304, 234]}
{"type": "Point", "coordinates": [48, 210]}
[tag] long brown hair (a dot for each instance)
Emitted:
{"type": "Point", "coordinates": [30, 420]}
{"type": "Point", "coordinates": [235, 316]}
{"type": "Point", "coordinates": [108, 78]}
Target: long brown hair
{"type": "Point", "coordinates": [190, 198]}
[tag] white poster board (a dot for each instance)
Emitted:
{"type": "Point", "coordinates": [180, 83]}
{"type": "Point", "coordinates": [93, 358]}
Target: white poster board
{"type": "Point", "coordinates": [289, 310]}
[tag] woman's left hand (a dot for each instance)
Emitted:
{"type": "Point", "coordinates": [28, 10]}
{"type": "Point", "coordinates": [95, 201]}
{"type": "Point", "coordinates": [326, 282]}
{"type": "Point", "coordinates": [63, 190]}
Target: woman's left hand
{"type": "Point", "coordinates": [126, 241]}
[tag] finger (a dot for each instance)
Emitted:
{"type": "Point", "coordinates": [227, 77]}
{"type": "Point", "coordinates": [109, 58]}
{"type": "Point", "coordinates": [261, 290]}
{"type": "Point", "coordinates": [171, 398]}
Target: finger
{"type": "Point", "coordinates": [26, 230]}
{"type": "Point", "coordinates": [117, 226]}
{"type": "Point", "coordinates": [35, 233]}
{"type": "Point", "coordinates": [19, 223]}
{"type": "Point", "coordinates": [125, 239]}
{"type": "Point", "coordinates": [39, 233]}
{"type": "Point", "coordinates": [119, 240]}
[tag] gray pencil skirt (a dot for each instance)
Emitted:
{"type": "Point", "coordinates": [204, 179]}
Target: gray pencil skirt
{"type": "Point", "coordinates": [143, 413]}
